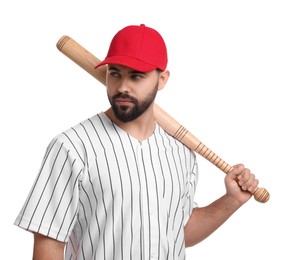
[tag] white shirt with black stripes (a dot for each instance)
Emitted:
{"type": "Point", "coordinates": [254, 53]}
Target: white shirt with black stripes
{"type": "Point", "coordinates": [110, 196]}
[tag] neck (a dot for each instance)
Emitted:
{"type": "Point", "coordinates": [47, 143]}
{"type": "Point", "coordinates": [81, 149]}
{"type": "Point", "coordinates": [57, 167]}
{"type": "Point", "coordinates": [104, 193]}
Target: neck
{"type": "Point", "coordinates": [140, 128]}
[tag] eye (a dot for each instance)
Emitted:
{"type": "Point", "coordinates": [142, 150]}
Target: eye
{"type": "Point", "coordinates": [136, 76]}
{"type": "Point", "coordinates": [114, 74]}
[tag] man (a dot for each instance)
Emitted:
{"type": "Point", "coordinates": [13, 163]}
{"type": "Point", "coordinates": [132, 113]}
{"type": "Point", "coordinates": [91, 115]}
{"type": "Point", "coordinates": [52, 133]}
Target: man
{"type": "Point", "coordinates": [117, 186]}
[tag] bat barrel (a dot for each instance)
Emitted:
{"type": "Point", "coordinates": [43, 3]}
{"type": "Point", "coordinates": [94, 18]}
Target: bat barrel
{"type": "Point", "coordinates": [81, 57]}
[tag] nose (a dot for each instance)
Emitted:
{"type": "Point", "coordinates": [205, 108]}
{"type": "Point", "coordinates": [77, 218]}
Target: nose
{"type": "Point", "coordinates": [124, 86]}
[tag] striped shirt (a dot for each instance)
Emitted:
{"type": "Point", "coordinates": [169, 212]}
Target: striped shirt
{"type": "Point", "coordinates": [110, 196]}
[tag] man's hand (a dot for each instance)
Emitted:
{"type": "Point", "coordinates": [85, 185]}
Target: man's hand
{"type": "Point", "coordinates": [240, 183]}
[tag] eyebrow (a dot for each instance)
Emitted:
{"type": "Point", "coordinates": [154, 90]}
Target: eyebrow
{"type": "Point", "coordinates": [111, 67]}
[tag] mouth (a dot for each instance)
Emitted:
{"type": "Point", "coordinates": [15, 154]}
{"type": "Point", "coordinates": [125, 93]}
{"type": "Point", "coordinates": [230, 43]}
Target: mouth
{"type": "Point", "coordinates": [123, 101]}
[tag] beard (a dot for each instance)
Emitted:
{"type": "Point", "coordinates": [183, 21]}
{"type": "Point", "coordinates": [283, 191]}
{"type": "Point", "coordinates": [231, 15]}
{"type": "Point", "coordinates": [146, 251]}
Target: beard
{"type": "Point", "coordinates": [126, 113]}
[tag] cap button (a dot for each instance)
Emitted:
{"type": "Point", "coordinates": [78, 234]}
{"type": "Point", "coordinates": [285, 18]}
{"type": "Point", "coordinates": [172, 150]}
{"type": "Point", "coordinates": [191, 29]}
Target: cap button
{"type": "Point", "coordinates": [142, 24]}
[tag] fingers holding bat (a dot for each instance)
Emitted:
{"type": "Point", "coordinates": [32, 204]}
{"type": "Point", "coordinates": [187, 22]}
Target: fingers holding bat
{"type": "Point", "coordinates": [241, 183]}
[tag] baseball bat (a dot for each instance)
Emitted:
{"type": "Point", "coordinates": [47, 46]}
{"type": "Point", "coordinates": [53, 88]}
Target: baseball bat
{"type": "Point", "coordinates": [88, 62]}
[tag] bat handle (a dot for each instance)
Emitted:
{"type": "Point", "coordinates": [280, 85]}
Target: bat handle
{"type": "Point", "coordinates": [260, 194]}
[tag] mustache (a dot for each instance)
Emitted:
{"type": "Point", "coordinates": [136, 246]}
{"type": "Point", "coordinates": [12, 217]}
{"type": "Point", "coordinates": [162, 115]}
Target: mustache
{"type": "Point", "coordinates": [123, 95]}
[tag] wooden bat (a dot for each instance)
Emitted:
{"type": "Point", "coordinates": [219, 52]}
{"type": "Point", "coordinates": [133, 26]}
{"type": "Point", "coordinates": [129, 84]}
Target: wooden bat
{"type": "Point", "coordinates": [88, 62]}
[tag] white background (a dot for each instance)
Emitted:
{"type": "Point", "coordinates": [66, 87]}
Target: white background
{"type": "Point", "coordinates": [230, 64]}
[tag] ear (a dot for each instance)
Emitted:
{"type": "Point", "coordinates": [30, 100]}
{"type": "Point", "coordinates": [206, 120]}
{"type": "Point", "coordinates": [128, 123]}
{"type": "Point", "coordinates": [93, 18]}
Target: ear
{"type": "Point", "coordinates": [163, 78]}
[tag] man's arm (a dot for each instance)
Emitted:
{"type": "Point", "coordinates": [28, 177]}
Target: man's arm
{"type": "Point", "coordinates": [240, 183]}
{"type": "Point", "coordinates": [46, 248]}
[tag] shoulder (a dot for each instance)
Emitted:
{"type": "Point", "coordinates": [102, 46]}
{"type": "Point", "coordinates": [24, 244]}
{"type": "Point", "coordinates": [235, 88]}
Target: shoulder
{"type": "Point", "coordinates": [84, 128]}
{"type": "Point", "coordinates": [78, 137]}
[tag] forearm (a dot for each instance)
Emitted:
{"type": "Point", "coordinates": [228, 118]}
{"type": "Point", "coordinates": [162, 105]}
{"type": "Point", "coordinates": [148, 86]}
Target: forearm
{"type": "Point", "coordinates": [46, 248]}
{"type": "Point", "coordinates": [205, 220]}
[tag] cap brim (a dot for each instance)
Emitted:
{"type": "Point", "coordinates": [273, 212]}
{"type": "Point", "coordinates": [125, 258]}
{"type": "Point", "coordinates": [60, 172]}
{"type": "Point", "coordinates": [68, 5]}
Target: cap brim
{"type": "Point", "coordinates": [128, 62]}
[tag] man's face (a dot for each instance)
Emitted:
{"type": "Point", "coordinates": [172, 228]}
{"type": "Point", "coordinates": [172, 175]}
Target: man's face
{"type": "Point", "coordinates": [130, 92]}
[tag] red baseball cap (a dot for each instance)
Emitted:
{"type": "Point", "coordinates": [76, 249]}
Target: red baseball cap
{"type": "Point", "coordinates": [139, 47]}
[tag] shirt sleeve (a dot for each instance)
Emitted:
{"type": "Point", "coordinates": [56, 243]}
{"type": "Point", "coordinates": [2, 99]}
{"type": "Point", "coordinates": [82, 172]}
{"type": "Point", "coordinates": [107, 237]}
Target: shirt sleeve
{"type": "Point", "coordinates": [192, 179]}
{"type": "Point", "coordinates": [52, 204]}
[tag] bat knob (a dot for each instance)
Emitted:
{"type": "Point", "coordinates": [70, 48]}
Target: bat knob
{"type": "Point", "coordinates": [261, 195]}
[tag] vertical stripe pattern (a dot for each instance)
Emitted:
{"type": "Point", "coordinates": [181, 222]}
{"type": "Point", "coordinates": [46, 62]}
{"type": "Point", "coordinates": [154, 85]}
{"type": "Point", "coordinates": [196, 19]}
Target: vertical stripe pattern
{"type": "Point", "coordinates": [112, 197]}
